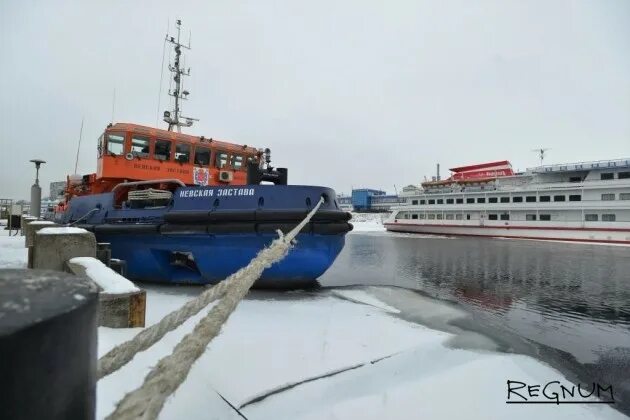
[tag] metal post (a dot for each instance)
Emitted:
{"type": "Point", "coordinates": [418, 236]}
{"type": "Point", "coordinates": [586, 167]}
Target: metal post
{"type": "Point", "coordinates": [36, 191]}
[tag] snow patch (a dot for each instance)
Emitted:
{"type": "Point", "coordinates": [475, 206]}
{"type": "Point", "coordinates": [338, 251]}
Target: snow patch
{"type": "Point", "coordinates": [360, 296]}
{"type": "Point", "coordinates": [110, 281]}
{"type": "Point", "coordinates": [61, 230]}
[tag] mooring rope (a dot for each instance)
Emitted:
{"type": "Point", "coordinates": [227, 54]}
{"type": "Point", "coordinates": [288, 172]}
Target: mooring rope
{"type": "Point", "coordinates": [146, 401]}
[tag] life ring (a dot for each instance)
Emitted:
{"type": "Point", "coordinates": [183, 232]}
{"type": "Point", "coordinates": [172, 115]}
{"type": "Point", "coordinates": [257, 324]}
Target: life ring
{"type": "Point", "coordinates": [129, 156]}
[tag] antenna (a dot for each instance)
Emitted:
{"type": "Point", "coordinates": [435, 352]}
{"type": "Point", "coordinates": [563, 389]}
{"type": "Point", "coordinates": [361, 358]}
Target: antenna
{"type": "Point", "coordinates": [157, 115]}
{"type": "Point", "coordinates": [113, 104]}
{"type": "Point", "coordinates": [76, 162]}
{"type": "Point", "coordinates": [174, 118]}
{"type": "Point", "coordinates": [541, 154]}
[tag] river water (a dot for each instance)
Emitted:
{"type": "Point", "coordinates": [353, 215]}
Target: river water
{"type": "Point", "coordinates": [564, 303]}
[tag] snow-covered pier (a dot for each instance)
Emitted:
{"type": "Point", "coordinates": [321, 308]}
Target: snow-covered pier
{"type": "Point", "coordinates": [331, 353]}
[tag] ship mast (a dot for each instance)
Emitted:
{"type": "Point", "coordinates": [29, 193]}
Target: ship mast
{"type": "Point", "coordinates": [174, 118]}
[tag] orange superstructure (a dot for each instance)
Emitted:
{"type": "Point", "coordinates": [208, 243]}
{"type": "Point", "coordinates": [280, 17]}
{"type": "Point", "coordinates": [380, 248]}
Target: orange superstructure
{"type": "Point", "coordinates": [131, 152]}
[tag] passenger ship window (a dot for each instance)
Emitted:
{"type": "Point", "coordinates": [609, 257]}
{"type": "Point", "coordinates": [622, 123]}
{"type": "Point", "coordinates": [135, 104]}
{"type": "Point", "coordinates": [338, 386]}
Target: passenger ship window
{"type": "Point", "coordinates": [575, 197]}
{"type": "Point", "coordinates": [559, 198]}
{"type": "Point", "coordinates": [431, 201]}
{"type": "Point", "coordinates": [608, 217]}
{"type": "Point", "coordinates": [449, 216]}
{"type": "Point", "coordinates": [492, 217]}
{"type": "Point", "coordinates": [505, 199]}
{"type": "Point", "coordinates": [530, 199]}
{"type": "Point", "coordinates": [162, 150]}
{"type": "Point", "coordinates": [115, 144]}
{"type": "Point", "coordinates": [607, 176]}
{"type": "Point", "coordinates": [545, 217]}
{"type": "Point", "coordinates": [624, 196]}
{"type": "Point", "coordinates": [440, 201]}
{"type": "Point", "coordinates": [624, 175]}
{"type": "Point", "coordinates": [590, 217]}
{"type": "Point", "coordinates": [505, 216]}
{"type": "Point", "coordinates": [423, 216]}
{"type": "Point", "coordinates": [468, 217]}
{"type": "Point", "coordinates": [414, 216]}
{"type": "Point", "coordinates": [575, 179]}
{"type": "Point", "coordinates": [182, 153]}
{"type": "Point", "coordinates": [221, 160]}
{"type": "Point", "coordinates": [481, 200]}
{"type": "Point", "coordinates": [459, 200]}
{"type": "Point", "coordinates": [530, 217]}
{"type": "Point", "coordinates": [423, 202]}
{"type": "Point", "coordinates": [493, 199]}
{"type": "Point", "coordinates": [544, 198]}
{"type": "Point", "coordinates": [517, 199]}
{"type": "Point", "coordinates": [414, 202]}
{"type": "Point", "coordinates": [237, 162]}
{"type": "Point", "coordinates": [449, 201]}
{"type": "Point", "coordinates": [459, 216]}
{"type": "Point", "coordinates": [470, 200]}
{"type": "Point", "coordinates": [140, 146]}
{"type": "Point", "coordinates": [431, 216]}
{"type": "Point", "coordinates": [608, 197]}
{"type": "Point", "coordinates": [202, 156]}
{"type": "Point", "coordinates": [438, 216]}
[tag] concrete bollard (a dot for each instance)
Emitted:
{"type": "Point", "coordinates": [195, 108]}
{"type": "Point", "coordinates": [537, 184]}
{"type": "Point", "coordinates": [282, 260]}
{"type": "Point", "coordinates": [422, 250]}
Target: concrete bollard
{"type": "Point", "coordinates": [104, 253]}
{"type": "Point", "coordinates": [54, 246]}
{"type": "Point", "coordinates": [29, 236]}
{"type": "Point", "coordinates": [48, 345]}
{"type": "Point", "coordinates": [122, 304]}
{"type": "Point", "coordinates": [24, 220]}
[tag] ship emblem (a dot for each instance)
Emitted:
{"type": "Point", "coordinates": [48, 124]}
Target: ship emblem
{"type": "Point", "coordinates": [201, 176]}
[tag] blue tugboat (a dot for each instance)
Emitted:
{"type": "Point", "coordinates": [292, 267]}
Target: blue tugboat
{"type": "Point", "coordinates": [189, 209]}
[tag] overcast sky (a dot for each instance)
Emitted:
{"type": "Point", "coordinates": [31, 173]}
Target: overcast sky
{"type": "Point", "coordinates": [345, 93]}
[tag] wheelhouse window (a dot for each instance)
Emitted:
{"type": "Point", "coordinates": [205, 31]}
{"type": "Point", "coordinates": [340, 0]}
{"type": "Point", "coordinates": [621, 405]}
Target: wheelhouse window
{"type": "Point", "coordinates": [575, 197]}
{"type": "Point", "coordinates": [493, 199]}
{"type": "Point", "coordinates": [530, 199]}
{"type": "Point", "coordinates": [608, 197]}
{"type": "Point", "coordinates": [202, 156]}
{"type": "Point", "coordinates": [440, 201]}
{"type": "Point", "coordinates": [493, 217]}
{"type": "Point", "coordinates": [115, 144]}
{"type": "Point", "coordinates": [607, 175]}
{"type": "Point", "coordinates": [414, 202]}
{"type": "Point", "coordinates": [221, 160]}
{"type": "Point", "coordinates": [237, 161]}
{"type": "Point", "coordinates": [162, 149]}
{"type": "Point", "coordinates": [422, 202]}
{"type": "Point", "coordinates": [505, 199]}
{"type": "Point", "coordinates": [624, 175]}
{"type": "Point", "coordinates": [545, 217]}
{"type": "Point", "coordinates": [518, 199]}
{"type": "Point", "coordinates": [530, 217]}
{"type": "Point", "coordinates": [459, 200]}
{"type": "Point", "coordinates": [559, 198]}
{"type": "Point", "coordinates": [431, 201]}
{"type": "Point", "coordinates": [624, 196]}
{"type": "Point", "coordinates": [505, 216]}
{"type": "Point", "coordinates": [182, 152]}
{"type": "Point", "coordinates": [608, 217]}
{"type": "Point", "coordinates": [590, 217]}
{"type": "Point", "coordinates": [470, 200]}
{"type": "Point", "coordinates": [544, 198]}
{"type": "Point", "coordinates": [449, 201]}
{"type": "Point", "coordinates": [140, 146]}
{"type": "Point", "coordinates": [481, 200]}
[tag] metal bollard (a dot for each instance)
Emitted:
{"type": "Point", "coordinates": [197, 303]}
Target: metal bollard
{"type": "Point", "coordinates": [48, 352]}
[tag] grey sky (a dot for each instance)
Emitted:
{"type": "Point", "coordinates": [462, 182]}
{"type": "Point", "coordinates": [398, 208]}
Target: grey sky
{"type": "Point", "coordinates": [346, 93]}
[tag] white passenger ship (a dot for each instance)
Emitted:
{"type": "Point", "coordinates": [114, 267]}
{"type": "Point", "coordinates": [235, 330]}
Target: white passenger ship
{"type": "Point", "coordinates": [585, 202]}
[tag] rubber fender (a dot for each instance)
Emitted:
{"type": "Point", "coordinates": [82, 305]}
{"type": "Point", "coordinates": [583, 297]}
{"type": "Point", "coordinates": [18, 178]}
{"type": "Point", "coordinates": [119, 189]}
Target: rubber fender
{"type": "Point", "coordinates": [126, 228]}
{"type": "Point", "coordinates": [232, 216]}
{"type": "Point", "coordinates": [180, 229]}
{"type": "Point", "coordinates": [284, 227]}
{"type": "Point", "coordinates": [331, 228]}
{"type": "Point", "coordinates": [332, 216]}
{"type": "Point", "coordinates": [228, 228]}
{"type": "Point", "coordinates": [189, 216]}
{"type": "Point", "coordinates": [280, 215]}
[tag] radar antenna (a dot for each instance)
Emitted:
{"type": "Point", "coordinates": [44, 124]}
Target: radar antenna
{"type": "Point", "coordinates": [541, 154]}
{"type": "Point", "coordinates": [174, 118]}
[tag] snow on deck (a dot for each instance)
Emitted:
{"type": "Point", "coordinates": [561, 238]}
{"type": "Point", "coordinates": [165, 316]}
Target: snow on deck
{"type": "Point", "coordinates": [107, 279]}
{"type": "Point", "coordinates": [13, 254]}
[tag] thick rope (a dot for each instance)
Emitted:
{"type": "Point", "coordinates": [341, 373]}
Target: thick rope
{"type": "Point", "coordinates": [147, 401]}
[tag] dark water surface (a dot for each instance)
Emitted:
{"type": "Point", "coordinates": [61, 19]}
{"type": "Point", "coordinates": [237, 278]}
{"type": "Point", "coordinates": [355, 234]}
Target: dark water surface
{"type": "Point", "coordinates": [566, 304]}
